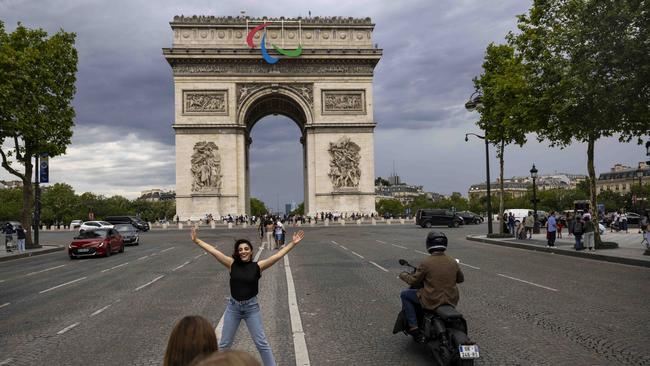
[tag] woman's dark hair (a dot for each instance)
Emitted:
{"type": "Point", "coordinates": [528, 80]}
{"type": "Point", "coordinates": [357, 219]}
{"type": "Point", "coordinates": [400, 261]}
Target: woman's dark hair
{"type": "Point", "coordinates": [235, 253]}
{"type": "Point", "coordinates": [192, 336]}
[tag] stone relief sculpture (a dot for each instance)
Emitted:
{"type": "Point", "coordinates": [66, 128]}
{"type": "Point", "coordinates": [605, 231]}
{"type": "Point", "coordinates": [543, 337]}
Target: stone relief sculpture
{"type": "Point", "coordinates": [305, 90]}
{"type": "Point", "coordinates": [240, 68]}
{"type": "Point", "coordinates": [206, 167]}
{"type": "Point", "coordinates": [343, 101]}
{"type": "Point", "coordinates": [205, 102]}
{"type": "Point", "coordinates": [344, 164]}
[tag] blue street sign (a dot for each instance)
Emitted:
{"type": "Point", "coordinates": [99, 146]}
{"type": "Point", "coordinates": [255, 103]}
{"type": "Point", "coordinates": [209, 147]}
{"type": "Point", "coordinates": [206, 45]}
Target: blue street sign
{"type": "Point", "coordinates": [44, 172]}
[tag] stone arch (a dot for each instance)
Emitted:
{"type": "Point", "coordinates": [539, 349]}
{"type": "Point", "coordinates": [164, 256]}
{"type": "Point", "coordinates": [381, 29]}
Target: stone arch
{"type": "Point", "coordinates": [274, 99]}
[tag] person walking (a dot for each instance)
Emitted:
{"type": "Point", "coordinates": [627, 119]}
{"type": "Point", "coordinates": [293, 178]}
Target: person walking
{"type": "Point", "coordinates": [551, 230]}
{"type": "Point", "coordinates": [269, 231]}
{"type": "Point", "coordinates": [244, 287]}
{"type": "Point", "coordinates": [623, 220]}
{"type": "Point", "coordinates": [8, 230]}
{"type": "Point", "coordinates": [578, 229]}
{"type": "Point", "coordinates": [261, 230]}
{"type": "Point", "coordinates": [529, 223]}
{"type": "Point", "coordinates": [511, 223]}
{"type": "Point", "coordinates": [589, 229]}
{"type": "Point", "coordinates": [20, 239]}
{"type": "Point", "coordinates": [561, 223]}
{"type": "Point", "coordinates": [278, 232]}
{"type": "Point", "coordinates": [571, 221]}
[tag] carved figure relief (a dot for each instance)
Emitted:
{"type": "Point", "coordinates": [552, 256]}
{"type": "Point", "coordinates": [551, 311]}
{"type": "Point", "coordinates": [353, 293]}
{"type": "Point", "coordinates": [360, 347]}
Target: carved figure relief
{"type": "Point", "coordinates": [344, 102]}
{"type": "Point", "coordinates": [206, 167]}
{"type": "Point", "coordinates": [208, 102]}
{"type": "Point", "coordinates": [344, 164]}
{"type": "Point", "coordinates": [241, 68]}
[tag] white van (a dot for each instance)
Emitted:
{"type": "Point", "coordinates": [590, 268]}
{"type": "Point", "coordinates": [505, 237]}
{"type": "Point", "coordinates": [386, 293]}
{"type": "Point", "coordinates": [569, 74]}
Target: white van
{"type": "Point", "coordinates": [519, 213]}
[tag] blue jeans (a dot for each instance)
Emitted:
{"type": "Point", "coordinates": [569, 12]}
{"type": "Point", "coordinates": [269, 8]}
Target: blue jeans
{"type": "Point", "coordinates": [249, 311]}
{"type": "Point", "coordinates": [409, 301]}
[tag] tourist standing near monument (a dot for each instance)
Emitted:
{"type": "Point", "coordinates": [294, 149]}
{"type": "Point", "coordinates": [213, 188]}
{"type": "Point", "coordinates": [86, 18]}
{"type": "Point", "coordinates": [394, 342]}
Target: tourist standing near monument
{"type": "Point", "coordinates": [244, 287]}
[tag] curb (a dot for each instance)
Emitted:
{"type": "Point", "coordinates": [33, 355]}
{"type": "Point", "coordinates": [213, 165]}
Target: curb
{"type": "Point", "coordinates": [587, 255]}
{"type": "Point", "coordinates": [31, 254]}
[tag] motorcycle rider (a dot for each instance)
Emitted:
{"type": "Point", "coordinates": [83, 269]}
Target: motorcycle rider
{"type": "Point", "coordinates": [439, 274]}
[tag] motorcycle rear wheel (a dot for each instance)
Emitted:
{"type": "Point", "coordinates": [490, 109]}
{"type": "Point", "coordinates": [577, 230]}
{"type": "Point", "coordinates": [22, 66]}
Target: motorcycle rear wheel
{"type": "Point", "coordinates": [465, 362]}
{"type": "Point", "coordinates": [441, 355]}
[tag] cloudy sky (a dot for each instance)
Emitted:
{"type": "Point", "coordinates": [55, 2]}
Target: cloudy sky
{"type": "Point", "coordinates": [123, 141]}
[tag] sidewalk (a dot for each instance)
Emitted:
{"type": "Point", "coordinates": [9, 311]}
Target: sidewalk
{"type": "Point", "coordinates": [4, 256]}
{"type": "Point", "coordinates": [629, 251]}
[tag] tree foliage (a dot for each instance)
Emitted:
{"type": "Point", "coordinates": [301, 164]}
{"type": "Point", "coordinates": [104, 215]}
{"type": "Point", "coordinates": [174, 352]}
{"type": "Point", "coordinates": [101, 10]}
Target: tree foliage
{"type": "Point", "coordinates": [257, 207]}
{"type": "Point", "coordinates": [587, 70]}
{"type": "Point", "coordinates": [37, 84]}
{"type": "Point", "coordinates": [393, 207]}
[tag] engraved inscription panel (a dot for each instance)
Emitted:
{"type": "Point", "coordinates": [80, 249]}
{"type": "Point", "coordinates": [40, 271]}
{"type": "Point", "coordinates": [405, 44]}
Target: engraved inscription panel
{"type": "Point", "coordinates": [205, 102]}
{"type": "Point", "coordinates": [344, 101]}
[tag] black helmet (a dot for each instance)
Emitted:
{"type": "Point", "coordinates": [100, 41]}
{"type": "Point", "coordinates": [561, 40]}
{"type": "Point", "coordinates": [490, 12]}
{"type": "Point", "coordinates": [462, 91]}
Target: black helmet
{"type": "Point", "coordinates": [436, 242]}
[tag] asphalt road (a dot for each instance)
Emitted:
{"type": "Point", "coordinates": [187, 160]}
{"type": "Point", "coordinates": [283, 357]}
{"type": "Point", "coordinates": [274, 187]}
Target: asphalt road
{"type": "Point", "coordinates": [522, 307]}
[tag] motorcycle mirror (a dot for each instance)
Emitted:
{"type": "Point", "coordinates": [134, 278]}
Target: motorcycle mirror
{"type": "Point", "coordinates": [403, 262]}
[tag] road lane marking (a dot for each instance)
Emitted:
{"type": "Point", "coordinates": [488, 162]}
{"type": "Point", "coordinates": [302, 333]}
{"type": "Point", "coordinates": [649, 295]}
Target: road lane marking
{"type": "Point", "coordinates": [343, 247]}
{"type": "Point", "coordinates": [421, 252]}
{"type": "Point", "coordinates": [333, 242]}
{"type": "Point", "coordinates": [67, 328]}
{"type": "Point", "coordinates": [1, 281]}
{"type": "Point", "coordinates": [100, 310]}
{"type": "Point", "coordinates": [399, 246]}
{"type": "Point", "coordinates": [61, 285]}
{"type": "Point", "coordinates": [6, 362]}
{"type": "Point", "coordinates": [357, 254]}
{"type": "Point", "coordinates": [379, 241]}
{"type": "Point", "coordinates": [145, 257]}
{"type": "Point", "coordinates": [153, 254]}
{"type": "Point", "coordinates": [467, 265]}
{"type": "Point", "coordinates": [149, 283]}
{"type": "Point", "coordinates": [378, 266]}
{"type": "Point", "coordinates": [198, 256]}
{"type": "Point", "coordinates": [181, 266]}
{"type": "Point", "coordinates": [5, 304]}
{"type": "Point", "coordinates": [45, 270]}
{"type": "Point", "coordinates": [119, 265]}
{"type": "Point", "coordinates": [162, 251]}
{"type": "Point", "coordinates": [299, 344]}
{"type": "Point", "coordinates": [530, 283]}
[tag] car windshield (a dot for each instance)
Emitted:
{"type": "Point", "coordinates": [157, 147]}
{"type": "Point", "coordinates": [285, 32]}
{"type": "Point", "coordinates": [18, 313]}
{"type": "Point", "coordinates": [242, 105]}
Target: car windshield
{"type": "Point", "coordinates": [105, 223]}
{"type": "Point", "coordinates": [124, 227]}
{"type": "Point", "coordinates": [91, 234]}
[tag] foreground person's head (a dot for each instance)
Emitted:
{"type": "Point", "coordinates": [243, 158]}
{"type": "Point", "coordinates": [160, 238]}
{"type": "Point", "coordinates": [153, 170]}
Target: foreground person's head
{"type": "Point", "coordinates": [228, 358]}
{"type": "Point", "coordinates": [192, 336]}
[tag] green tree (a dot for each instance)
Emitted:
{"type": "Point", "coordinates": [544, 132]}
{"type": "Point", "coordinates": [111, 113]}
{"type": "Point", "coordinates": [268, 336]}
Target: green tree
{"type": "Point", "coordinates": [300, 210]}
{"type": "Point", "coordinates": [10, 203]}
{"type": "Point", "coordinates": [258, 208]}
{"type": "Point", "coordinates": [420, 202]}
{"type": "Point", "coordinates": [59, 204]}
{"type": "Point", "coordinates": [393, 207]}
{"type": "Point", "coordinates": [587, 71]}
{"type": "Point", "coordinates": [89, 203]}
{"type": "Point", "coordinates": [382, 182]}
{"type": "Point", "coordinates": [504, 89]}
{"type": "Point", "coordinates": [37, 84]}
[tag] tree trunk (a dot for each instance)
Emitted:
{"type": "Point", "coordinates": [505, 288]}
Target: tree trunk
{"type": "Point", "coordinates": [501, 190]}
{"type": "Point", "coordinates": [26, 216]}
{"type": "Point", "coordinates": [592, 190]}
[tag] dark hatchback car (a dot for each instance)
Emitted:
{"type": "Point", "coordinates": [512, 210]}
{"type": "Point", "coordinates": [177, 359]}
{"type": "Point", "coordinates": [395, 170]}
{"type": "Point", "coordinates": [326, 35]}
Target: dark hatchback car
{"type": "Point", "coordinates": [470, 217]}
{"type": "Point", "coordinates": [129, 233]}
{"type": "Point", "coordinates": [100, 242]}
{"type": "Point", "coordinates": [136, 222]}
{"type": "Point", "coordinates": [432, 217]}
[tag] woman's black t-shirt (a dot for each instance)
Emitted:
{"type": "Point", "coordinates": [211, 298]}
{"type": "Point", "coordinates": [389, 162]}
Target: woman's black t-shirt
{"type": "Point", "coordinates": [244, 278]}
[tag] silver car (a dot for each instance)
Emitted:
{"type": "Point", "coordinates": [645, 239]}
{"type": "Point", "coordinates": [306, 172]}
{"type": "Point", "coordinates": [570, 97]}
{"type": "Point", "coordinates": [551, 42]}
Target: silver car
{"type": "Point", "coordinates": [129, 234]}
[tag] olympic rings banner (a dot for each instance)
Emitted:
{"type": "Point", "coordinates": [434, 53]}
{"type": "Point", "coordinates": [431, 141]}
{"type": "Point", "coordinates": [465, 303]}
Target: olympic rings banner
{"type": "Point", "coordinates": [265, 53]}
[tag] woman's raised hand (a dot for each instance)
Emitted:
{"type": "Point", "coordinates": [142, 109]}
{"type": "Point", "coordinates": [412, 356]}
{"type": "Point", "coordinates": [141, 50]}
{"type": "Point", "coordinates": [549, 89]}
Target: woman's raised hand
{"type": "Point", "coordinates": [297, 237]}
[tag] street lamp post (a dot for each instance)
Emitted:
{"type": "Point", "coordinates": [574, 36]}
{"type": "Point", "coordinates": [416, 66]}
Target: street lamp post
{"type": "Point", "coordinates": [533, 174]}
{"type": "Point", "coordinates": [471, 105]}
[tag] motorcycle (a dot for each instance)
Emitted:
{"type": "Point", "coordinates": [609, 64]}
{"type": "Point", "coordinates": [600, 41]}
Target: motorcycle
{"type": "Point", "coordinates": [445, 332]}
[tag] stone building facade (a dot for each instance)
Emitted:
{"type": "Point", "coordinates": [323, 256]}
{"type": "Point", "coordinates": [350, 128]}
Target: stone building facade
{"type": "Point", "coordinates": [621, 178]}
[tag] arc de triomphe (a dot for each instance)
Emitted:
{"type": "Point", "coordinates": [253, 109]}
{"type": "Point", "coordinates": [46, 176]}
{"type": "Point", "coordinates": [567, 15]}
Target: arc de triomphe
{"type": "Point", "coordinates": [223, 87]}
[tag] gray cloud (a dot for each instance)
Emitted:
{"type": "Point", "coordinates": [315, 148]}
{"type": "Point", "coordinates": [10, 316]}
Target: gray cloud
{"type": "Point", "coordinates": [432, 49]}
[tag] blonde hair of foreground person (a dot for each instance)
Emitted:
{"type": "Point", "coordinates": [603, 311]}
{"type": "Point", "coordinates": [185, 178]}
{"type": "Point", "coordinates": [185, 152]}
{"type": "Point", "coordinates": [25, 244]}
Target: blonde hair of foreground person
{"type": "Point", "coordinates": [227, 358]}
{"type": "Point", "coordinates": [192, 336]}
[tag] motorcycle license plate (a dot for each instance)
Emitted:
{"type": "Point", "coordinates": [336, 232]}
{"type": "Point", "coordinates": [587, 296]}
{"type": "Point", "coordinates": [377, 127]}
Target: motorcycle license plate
{"type": "Point", "coordinates": [468, 351]}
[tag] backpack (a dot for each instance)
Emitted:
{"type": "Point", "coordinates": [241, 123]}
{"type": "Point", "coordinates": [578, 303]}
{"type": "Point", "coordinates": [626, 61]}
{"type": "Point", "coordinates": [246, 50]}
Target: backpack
{"type": "Point", "coordinates": [577, 230]}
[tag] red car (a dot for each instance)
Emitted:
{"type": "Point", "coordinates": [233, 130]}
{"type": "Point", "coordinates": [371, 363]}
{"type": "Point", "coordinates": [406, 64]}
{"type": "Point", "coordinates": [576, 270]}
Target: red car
{"type": "Point", "coordinates": [100, 242]}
